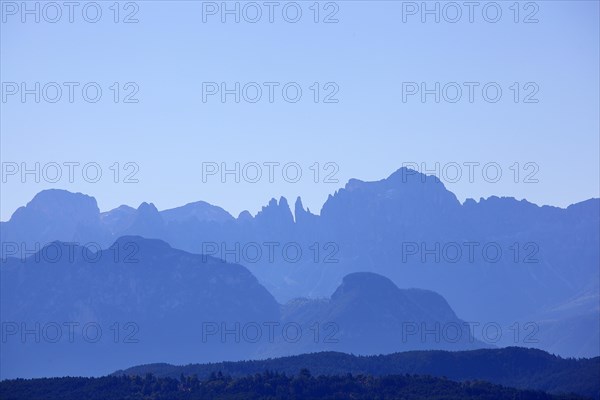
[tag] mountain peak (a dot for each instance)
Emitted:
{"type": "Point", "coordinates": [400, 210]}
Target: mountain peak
{"type": "Point", "coordinates": [147, 222]}
{"type": "Point", "coordinates": [367, 279]}
{"type": "Point", "coordinates": [57, 193]}
{"type": "Point", "coordinates": [405, 195]}
{"type": "Point", "coordinates": [298, 205]}
{"type": "Point", "coordinates": [51, 200]}
{"type": "Point", "coordinates": [147, 207]}
{"type": "Point", "coordinates": [276, 213]}
{"type": "Point", "coordinates": [135, 243]}
{"type": "Point", "coordinates": [56, 214]}
{"type": "Point", "coordinates": [408, 175]}
{"type": "Point", "coordinates": [365, 283]}
{"type": "Point", "coordinates": [245, 216]}
{"type": "Point", "coordinates": [199, 211]}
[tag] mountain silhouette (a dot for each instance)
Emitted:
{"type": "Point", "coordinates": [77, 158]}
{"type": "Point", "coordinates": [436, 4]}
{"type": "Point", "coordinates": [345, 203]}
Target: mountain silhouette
{"type": "Point", "coordinates": [369, 314]}
{"type": "Point", "coordinates": [150, 302]}
{"type": "Point", "coordinates": [200, 211]}
{"type": "Point", "coordinates": [145, 301]}
{"type": "Point", "coordinates": [496, 260]}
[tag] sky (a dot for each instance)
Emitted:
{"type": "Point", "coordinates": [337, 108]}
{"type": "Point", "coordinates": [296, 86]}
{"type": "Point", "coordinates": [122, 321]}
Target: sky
{"type": "Point", "coordinates": [327, 91]}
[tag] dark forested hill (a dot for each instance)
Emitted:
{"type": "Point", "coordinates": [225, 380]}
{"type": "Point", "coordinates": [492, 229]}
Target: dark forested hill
{"type": "Point", "coordinates": [267, 385]}
{"type": "Point", "coordinates": [516, 367]}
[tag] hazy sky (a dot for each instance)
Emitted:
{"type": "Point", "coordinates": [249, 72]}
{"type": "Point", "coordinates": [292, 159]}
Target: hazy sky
{"type": "Point", "coordinates": [373, 61]}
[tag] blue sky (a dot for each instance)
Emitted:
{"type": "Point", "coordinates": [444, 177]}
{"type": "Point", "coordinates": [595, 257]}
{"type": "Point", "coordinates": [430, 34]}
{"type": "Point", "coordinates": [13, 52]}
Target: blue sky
{"type": "Point", "coordinates": [369, 133]}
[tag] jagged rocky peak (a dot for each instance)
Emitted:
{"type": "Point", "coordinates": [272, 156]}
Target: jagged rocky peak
{"type": "Point", "coordinates": [302, 215]}
{"type": "Point", "coordinates": [276, 212]}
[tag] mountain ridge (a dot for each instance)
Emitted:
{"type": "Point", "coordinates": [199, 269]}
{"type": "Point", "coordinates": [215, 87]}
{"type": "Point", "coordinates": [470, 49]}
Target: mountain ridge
{"type": "Point", "coordinates": [407, 227]}
{"type": "Point", "coordinates": [175, 305]}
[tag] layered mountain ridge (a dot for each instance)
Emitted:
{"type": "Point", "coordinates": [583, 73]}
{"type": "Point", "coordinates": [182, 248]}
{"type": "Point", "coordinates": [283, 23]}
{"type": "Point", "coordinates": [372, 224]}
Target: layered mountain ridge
{"type": "Point", "coordinates": [140, 301]}
{"type": "Point", "coordinates": [496, 260]}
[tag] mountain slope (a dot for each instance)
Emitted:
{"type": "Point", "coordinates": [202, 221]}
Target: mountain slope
{"type": "Point", "coordinates": [139, 299]}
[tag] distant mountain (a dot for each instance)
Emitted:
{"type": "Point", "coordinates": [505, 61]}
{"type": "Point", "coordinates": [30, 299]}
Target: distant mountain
{"type": "Point", "coordinates": [498, 261]}
{"type": "Point", "coordinates": [199, 211]}
{"type": "Point", "coordinates": [54, 215]}
{"type": "Point", "coordinates": [513, 366]}
{"type": "Point", "coordinates": [141, 301]}
{"type": "Point", "coordinates": [369, 314]}
{"type": "Point", "coordinates": [572, 324]}
{"type": "Point", "coordinates": [118, 219]}
{"type": "Point", "coordinates": [147, 222]}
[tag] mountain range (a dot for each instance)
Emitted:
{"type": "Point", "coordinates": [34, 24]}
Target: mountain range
{"type": "Point", "coordinates": [68, 310]}
{"type": "Point", "coordinates": [529, 271]}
